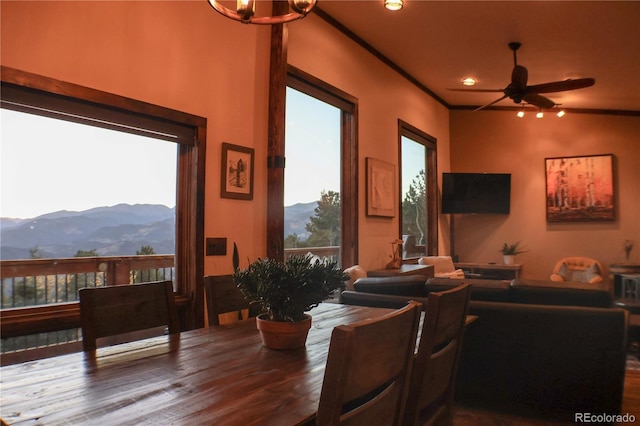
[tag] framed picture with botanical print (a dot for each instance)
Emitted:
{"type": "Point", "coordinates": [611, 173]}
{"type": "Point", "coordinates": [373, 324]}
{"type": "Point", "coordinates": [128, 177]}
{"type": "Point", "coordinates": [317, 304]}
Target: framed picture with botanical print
{"type": "Point", "coordinates": [237, 172]}
{"type": "Point", "coordinates": [580, 189]}
{"type": "Point", "coordinates": [381, 188]}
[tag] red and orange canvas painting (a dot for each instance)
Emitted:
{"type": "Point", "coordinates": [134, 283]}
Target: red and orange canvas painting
{"type": "Point", "coordinates": [580, 189]}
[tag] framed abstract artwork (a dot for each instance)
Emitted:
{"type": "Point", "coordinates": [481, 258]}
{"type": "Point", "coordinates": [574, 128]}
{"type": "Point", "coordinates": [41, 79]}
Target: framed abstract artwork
{"type": "Point", "coordinates": [381, 188]}
{"type": "Point", "coordinates": [237, 172]}
{"type": "Point", "coordinates": [580, 189]}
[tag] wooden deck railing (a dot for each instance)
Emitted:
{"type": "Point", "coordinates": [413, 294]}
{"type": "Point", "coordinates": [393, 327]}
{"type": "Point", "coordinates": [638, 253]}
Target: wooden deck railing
{"type": "Point", "coordinates": [40, 295]}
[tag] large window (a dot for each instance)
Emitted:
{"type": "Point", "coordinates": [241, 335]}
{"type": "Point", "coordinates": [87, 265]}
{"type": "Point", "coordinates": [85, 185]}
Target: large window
{"type": "Point", "coordinates": [176, 134]}
{"type": "Point", "coordinates": [418, 225]}
{"type": "Point", "coordinates": [312, 219]}
{"type": "Point", "coordinates": [73, 190]}
{"type": "Point", "coordinates": [319, 183]}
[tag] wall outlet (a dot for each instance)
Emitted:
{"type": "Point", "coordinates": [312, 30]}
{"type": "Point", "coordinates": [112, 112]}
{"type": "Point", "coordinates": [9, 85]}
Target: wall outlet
{"type": "Point", "coordinates": [216, 247]}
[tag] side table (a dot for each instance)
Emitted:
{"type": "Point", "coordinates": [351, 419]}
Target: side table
{"type": "Point", "coordinates": [490, 270]}
{"type": "Point", "coordinates": [616, 270]}
{"type": "Point", "coordinates": [633, 306]}
{"type": "Point", "coordinates": [631, 286]}
{"type": "Point", "coordinates": [407, 269]}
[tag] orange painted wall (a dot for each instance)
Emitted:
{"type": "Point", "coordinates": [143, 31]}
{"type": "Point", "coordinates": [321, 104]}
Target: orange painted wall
{"type": "Point", "coordinates": [491, 141]}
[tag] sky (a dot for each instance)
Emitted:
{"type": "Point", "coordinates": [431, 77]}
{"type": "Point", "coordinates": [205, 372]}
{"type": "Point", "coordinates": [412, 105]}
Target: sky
{"type": "Point", "coordinates": [312, 148]}
{"type": "Point", "coordinates": [48, 165]}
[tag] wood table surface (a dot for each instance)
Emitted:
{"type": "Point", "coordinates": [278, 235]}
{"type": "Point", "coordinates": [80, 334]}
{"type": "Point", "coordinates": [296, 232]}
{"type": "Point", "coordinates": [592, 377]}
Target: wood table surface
{"type": "Point", "coordinates": [219, 375]}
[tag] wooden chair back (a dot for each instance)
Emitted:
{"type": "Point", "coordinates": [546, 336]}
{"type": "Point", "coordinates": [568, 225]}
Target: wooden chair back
{"type": "Point", "coordinates": [365, 380]}
{"type": "Point", "coordinates": [431, 389]}
{"type": "Point", "coordinates": [223, 296]}
{"type": "Point", "coordinates": [115, 310]}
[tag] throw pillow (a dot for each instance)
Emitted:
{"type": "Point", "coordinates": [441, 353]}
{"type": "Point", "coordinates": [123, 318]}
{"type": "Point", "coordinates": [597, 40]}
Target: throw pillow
{"type": "Point", "coordinates": [592, 272]}
{"type": "Point", "coordinates": [354, 273]}
{"type": "Point", "coordinates": [565, 272]}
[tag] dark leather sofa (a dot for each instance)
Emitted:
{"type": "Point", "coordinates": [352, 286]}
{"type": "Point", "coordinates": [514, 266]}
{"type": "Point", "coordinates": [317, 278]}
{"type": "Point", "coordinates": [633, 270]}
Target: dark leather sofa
{"type": "Point", "coordinates": [538, 348]}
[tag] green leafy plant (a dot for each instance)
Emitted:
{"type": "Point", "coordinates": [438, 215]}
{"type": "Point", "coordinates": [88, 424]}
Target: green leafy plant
{"type": "Point", "coordinates": [512, 249]}
{"type": "Point", "coordinates": [287, 290]}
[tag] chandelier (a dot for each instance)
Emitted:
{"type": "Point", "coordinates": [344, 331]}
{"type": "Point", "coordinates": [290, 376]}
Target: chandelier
{"type": "Point", "coordinates": [246, 9]}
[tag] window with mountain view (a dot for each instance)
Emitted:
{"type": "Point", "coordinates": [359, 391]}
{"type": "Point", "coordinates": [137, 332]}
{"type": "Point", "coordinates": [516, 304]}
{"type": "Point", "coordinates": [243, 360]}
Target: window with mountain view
{"type": "Point", "coordinates": [312, 176]}
{"type": "Point", "coordinates": [72, 190]}
{"type": "Point", "coordinates": [320, 175]}
{"type": "Point", "coordinates": [96, 189]}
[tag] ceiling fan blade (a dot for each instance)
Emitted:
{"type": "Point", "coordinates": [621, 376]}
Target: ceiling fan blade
{"type": "Point", "coordinates": [538, 100]}
{"type": "Point", "coordinates": [519, 77]}
{"type": "Point", "coordinates": [489, 104]}
{"type": "Point", "coordinates": [561, 86]}
{"type": "Point", "coordinates": [478, 90]}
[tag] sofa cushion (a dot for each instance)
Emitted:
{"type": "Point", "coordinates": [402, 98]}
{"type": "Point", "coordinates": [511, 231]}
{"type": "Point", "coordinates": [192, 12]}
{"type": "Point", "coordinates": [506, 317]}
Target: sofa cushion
{"type": "Point", "coordinates": [487, 290]}
{"type": "Point", "coordinates": [442, 267]}
{"type": "Point", "coordinates": [570, 293]}
{"type": "Point", "coordinates": [411, 285]}
{"type": "Point", "coordinates": [389, 301]}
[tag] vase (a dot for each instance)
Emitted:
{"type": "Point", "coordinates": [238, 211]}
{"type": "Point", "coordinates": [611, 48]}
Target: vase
{"type": "Point", "coordinates": [283, 334]}
{"type": "Point", "coordinates": [508, 259]}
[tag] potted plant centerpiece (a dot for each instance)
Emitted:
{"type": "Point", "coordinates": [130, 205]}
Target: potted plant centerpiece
{"type": "Point", "coordinates": [285, 291]}
{"type": "Point", "coordinates": [509, 252]}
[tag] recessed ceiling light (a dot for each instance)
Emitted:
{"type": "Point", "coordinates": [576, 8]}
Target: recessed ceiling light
{"type": "Point", "coordinates": [393, 4]}
{"type": "Point", "coordinates": [469, 81]}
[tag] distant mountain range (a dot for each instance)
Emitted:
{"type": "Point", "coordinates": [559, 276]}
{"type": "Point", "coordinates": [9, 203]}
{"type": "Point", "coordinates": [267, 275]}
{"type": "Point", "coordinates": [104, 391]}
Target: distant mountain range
{"type": "Point", "coordinates": [111, 231]}
{"type": "Point", "coordinates": [296, 217]}
{"type": "Point", "coordinates": [119, 230]}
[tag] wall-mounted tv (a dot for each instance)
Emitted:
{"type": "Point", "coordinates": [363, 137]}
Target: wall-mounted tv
{"type": "Point", "coordinates": [476, 193]}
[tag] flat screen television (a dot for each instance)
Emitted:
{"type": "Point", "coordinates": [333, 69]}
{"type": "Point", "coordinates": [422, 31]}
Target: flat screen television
{"type": "Point", "coordinates": [488, 193]}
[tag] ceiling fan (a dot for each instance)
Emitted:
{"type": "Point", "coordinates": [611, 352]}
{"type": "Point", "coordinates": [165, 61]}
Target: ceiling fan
{"type": "Point", "coordinates": [519, 92]}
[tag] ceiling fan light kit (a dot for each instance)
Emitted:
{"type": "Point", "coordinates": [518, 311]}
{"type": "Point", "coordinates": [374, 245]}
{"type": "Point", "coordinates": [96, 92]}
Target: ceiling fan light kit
{"type": "Point", "coordinates": [520, 92]}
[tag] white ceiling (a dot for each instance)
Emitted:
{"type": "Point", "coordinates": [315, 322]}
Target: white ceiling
{"type": "Point", "coordinates": [440, 42]}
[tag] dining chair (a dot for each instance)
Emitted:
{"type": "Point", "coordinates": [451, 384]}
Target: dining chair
{"type": "Point", "coordinates": [121, 309]}
{"type": "Point", "coordinates": [431, 387]}
{"type": "Point", "coordinates": [365, 380]}
{"type": "Point", "coordinates": [223, 296]}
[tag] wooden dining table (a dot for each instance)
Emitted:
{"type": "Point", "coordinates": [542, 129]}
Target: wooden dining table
{"type": "Point", "coordinates": [220, 375]}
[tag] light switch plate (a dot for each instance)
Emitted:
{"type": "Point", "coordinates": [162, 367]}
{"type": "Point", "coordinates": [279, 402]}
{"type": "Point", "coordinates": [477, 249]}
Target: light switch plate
{"type": "Point", "coordinates": [216, 247]}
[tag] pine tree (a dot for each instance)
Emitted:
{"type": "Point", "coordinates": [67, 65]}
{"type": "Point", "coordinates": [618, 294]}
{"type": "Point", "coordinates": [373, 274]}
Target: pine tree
{"type": "Point", "coordinates": [324, 227]}
{"type": "Point", "coordinates": [414, 214]}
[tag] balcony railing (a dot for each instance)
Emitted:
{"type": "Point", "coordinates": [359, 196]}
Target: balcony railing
{"type": "Point", "coordinates": [34, 282]}
{"type": "Point", "coordinates": [39, 297]}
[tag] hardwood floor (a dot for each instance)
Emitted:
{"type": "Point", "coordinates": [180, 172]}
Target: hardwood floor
{"type": "Point", "coordinates": [630, 404]}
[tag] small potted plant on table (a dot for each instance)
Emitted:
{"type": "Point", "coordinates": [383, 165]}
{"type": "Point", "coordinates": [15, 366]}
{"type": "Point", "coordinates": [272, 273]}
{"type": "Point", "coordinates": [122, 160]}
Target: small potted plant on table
{"type": "Point", "coordinates": [509, 252]}
{"type": "Point", "coordinates": [285, 291]}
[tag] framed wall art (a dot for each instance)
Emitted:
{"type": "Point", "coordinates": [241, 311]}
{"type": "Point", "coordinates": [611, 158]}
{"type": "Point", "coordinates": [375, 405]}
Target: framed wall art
{"type": "Point", "coordinates": [381, 188]}
{"type": "Point", "coordinates": [580, 189]}
{"type": "Point", "coordinates": [237, 172]}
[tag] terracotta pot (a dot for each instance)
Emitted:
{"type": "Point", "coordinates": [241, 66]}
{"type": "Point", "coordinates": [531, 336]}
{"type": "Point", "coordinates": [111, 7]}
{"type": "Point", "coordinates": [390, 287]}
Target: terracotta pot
{"type": "Point", "coordinates": [283, 334]}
